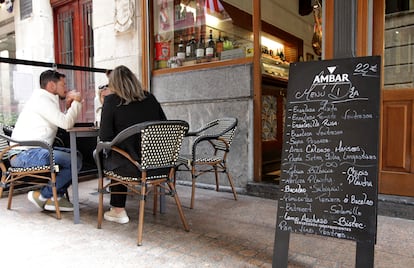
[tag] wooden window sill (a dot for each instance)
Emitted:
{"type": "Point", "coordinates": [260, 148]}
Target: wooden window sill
{"type": "Point", "coordinates": [201, 66]}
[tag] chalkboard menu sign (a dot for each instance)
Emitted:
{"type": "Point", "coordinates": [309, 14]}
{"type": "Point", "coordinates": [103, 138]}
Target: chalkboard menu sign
{"type": "Point", "coordinates": [330, 159]}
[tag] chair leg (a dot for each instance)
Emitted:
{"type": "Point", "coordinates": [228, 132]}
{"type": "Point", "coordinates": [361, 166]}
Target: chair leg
{"type": "Point", "coordinates": [174, 178]}
{"type": "Point", "coordinates": [141, 213]}
{"type": "Point", "coordinates": [55, 197]}
{"type": "Point", "coordinates": [155, 190]}
{"type": "Point", "coordinates": [100, 205]}
{"type": "Point", "coordinates": [2, 188]}
{"type": "Point", "coordinates": [9, 200]}
{"type": "Point", "coordinates": [178, 203]}
{"type": "Point", "coordinates": [231, 184]}
{"type": "Point", "coordinates": [217, 182]}
{"type": "Point", "coordinates": [193, 178]}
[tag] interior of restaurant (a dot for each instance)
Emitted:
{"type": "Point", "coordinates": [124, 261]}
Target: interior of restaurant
{"type": "Point", "coordinates": [195, 33]}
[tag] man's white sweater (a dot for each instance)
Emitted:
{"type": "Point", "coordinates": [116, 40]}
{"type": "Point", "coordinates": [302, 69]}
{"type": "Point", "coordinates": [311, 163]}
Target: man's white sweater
{"type": "Point", "coordinates": [41, 117]}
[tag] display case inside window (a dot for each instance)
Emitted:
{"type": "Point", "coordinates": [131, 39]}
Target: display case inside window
{"type": "Point", "coordinates": [275, 57]}
{"type": "Point", "coordinates": [188, 32]}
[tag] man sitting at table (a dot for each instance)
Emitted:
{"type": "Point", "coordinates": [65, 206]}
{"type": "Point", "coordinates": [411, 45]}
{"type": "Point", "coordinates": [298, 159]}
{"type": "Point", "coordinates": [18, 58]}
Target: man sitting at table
{"type": "Point", "coordinates": [39, 120]}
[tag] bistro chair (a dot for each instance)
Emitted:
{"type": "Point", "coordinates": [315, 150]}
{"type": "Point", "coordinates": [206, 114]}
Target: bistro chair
{"type": "Point", "coordinates": [36, 175]}
{"type": "Point", "coordinates": [160, 145]}
{"type": "Point", "coordinates": [209, 152]}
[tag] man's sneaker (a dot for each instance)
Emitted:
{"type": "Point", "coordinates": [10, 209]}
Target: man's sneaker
{"type": "Point", "coordinates": [34, 197]}
{"type": "Point", "coordinates": [64, 205]}
{"type": "Point", "coordinates": [121, 217]}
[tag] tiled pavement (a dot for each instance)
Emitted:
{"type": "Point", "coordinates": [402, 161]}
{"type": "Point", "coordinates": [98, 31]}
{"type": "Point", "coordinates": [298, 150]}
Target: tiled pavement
{"type": "Point", "coordinates": [224, 233]}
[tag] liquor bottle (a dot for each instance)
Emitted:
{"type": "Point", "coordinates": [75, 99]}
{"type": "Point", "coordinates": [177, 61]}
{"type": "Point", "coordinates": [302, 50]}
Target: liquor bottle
{"type": "Point", "coordinates": [282, 55]}
{"type": "Point", "coordinates": [200, 49]}
{"type": "Point", "coordinates": [190, 48]}
{"type": "Point", "coordinates": [219, 45]}
{"type": "Point", "coordinates": [181, 49]}
{"type": "Point", "coordinates": [210, 47]}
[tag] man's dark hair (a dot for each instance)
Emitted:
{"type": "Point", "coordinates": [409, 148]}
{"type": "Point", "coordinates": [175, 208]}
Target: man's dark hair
{"type": "Point", "coordinates": [48, 76]}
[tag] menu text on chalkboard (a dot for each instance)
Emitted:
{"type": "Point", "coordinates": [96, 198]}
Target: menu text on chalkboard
{"type": "Point", "coordinates": [330, 152]}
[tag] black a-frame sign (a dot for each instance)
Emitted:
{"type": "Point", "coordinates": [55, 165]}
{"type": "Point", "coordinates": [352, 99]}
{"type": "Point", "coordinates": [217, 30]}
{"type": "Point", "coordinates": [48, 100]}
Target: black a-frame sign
{"type": "Point", "coordinates": [329, 178]}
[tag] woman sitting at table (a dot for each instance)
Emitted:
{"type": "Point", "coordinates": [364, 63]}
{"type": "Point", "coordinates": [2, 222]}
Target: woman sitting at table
{"type": "Point", "coordinates": [128, 105]}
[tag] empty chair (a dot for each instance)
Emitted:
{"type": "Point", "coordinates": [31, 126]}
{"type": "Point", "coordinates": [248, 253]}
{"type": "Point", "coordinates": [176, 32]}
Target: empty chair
{"type": "Point", "coordinates": [209, 152]}
{"type": "Point", "coordinates": [160, 145]}
{"type": "Point", "coordinates": [36, 175]}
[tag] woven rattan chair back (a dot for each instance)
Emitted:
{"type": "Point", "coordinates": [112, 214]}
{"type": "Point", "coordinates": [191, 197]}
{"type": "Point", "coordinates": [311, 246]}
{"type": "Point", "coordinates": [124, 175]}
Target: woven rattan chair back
{"type": "Point", "coordinates": [225, 128]}
{"type": "Point", "coordinates": [160, 145]}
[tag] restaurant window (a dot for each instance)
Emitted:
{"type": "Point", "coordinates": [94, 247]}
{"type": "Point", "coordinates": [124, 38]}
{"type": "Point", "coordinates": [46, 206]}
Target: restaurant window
{"type": "Point", "coordinates": [196, 31]}
{"type": "Point", "coordinates": [392, 6]}
{"type": "Point", "coordinates": [399, 47]}
{"type": "Point", "coordinates": [190, 32]}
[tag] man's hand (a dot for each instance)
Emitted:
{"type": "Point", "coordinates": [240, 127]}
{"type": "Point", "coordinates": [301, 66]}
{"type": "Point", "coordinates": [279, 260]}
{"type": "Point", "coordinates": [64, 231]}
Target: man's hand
{"type": "Point", "coordinates": [72, 96]}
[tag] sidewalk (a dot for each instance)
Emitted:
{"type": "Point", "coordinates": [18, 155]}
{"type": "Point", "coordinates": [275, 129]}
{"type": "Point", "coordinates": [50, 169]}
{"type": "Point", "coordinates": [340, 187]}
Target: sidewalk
{"type": "Point", "coordinates": [224, 233]}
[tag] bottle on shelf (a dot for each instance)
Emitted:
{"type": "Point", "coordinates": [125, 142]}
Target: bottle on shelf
{"type": "Point", "coordinates": [210, 47]}
{"type": "Point", "coordinates": [200, 49]}
{"type": "Point", "coordinates": [190, 48]}
{"type": "Point", "coordinates": [282, 55]}
{"type": "Point", "coordinates": [219, 45]}
{"type": "Point", "coordinates": [181, 49]}
{"type": "Point", "coordinates": [279, 54]}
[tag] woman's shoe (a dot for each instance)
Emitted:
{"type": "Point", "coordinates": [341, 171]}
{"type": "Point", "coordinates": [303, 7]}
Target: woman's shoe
{"type": "Point", "coordinates": [121, 217]}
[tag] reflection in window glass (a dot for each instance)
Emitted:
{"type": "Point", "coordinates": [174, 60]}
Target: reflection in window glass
{"type": "Point", "coordinates": [399, 45]}
{"type": "Point", "coordinates": [17, 83]}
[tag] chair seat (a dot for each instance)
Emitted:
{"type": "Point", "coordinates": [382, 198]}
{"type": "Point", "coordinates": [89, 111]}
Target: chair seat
{"type": "Point", "coordinates": [110, 173]}
{"type": "Point", "coordinates": [187, 159]}
{"type": "Point", "coordinates": [29, 169]}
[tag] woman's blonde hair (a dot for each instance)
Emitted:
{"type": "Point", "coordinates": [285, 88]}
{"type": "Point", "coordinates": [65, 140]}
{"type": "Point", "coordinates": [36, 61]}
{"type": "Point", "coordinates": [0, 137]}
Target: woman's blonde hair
{"type": "Point", "coordinates": [126, 85]}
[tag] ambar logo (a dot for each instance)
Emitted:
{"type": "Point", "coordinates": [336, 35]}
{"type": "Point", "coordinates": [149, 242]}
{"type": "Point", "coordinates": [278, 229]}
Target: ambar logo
{"type": "Point", "coordinates": [322, 78]}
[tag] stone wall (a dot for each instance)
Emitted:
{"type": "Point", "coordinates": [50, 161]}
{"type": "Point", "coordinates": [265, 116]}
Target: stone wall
{"type": "Point", "coordinates": [204, 95]}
